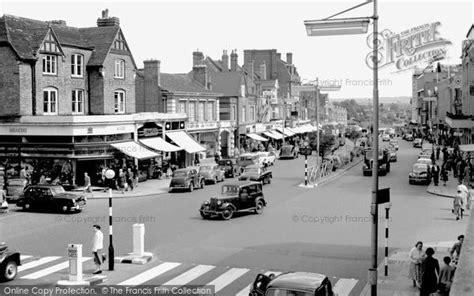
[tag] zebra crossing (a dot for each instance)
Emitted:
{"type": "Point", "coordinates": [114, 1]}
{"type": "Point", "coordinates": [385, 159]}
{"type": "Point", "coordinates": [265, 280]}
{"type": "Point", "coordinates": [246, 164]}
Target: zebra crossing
{"type": "Point", "coordinates": [225, 280]}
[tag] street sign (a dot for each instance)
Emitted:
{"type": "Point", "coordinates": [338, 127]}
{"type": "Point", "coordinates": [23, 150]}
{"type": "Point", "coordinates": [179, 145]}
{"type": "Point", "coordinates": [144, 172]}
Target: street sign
{"type": "Point", "coordinates": [383, 196]}
{"type": "Point", "coordinates": [306, 151]}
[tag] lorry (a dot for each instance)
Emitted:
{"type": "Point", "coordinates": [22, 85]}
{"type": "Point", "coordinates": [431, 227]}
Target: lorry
{"type": "Point", "coordinates": [383, 158]}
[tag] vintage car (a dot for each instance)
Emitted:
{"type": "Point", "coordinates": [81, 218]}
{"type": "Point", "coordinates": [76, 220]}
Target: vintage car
{"type": "Point", "coordinates": [424, 160]}
{"type": "Point", "coordinates": [187, 178]}
{"type": "Point", "coordinates": [392, 154]}
{"type": "Point", "coordinates": [235, 197]}
{"type": "Point", "coordinates": [385, 137]}
{"type": "Point", "coordinates": [212, 173]}
{"type": "Point", "coordinates": [418, 143]}
{"type": "Point", "coordinates": [292, 283]}
{"type": "Point", "coordinates": [383, 162]}
{"type": "Point", "coordinates": [15, 188]}
{"type": "Point", "coordinates": [267, 158]}
{"type": "Point", "coordinates": [230, 167]}
{"type": "Point", "coordinates": [420, 174]}
{"type": "Point", "coordinates": [288, 151]}
{"type": "Point", "coordinates": [408, 137]}
{"type": "Point", "coordinates": [248, 159]}
{"type": "Point", "coordinates": [394, 144]}
{"type": "Point", "coordinates": [48, 196]}
{"type": "Point", "coordinates": [9, 262]}
{"type": "Point", "coordinates": [256, 173]}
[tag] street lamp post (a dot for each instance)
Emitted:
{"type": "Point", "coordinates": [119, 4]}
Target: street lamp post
{"type": "Point", "coordinates": [328, 27]}
{"type": "Point", "coordinates": [317, 134]}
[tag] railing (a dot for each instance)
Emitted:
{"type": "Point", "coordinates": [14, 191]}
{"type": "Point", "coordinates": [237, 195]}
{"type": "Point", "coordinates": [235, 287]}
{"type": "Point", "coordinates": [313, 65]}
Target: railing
{"type": "Point", "coordinates": [315, 173]}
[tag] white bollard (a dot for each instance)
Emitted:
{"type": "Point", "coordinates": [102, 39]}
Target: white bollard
{"type": "Point", "coordinates": [74, 252]}
{"type": "Point", "coordinates": [138, 239]}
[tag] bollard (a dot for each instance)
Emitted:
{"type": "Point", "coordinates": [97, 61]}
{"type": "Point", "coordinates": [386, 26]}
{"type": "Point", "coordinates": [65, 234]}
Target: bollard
{"type": "Point", "coordinates": [138, 239]}
{"type": "Point", "coordinates": [74, 253]}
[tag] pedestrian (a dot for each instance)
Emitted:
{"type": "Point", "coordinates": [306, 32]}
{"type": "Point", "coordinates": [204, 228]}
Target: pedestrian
{"type": "Point", "coordinates": [435, 173]}
{"type": "Point", "coordinates": [470, 195]}
{"type": "Point", "coordinates": [445, 154]}
{"type": "Point", "coordinates": [3, 201]}
{"type": "Point", "coordinates": [455, 250]}
{"type": "Point", "coordinates": [457, 204]}
{"type": "Point", "coordinates": [467, 175]}
{"type": "Point", "coordinates": [87, 184]}
{"type": "Point", "coordinates": [122, 181]}
{"type": "Point", "coordinates": [42, 179]}
{"type": "Point", "coordinates": [446, 275]}
{"type": "Point", "coordinates": [429, 273]}
{"type": "Point", "coordinates": [416, 256]}
{"type": "Point", "coordinates": [438, 150]}
{"type": "Point", "coordinates": [444, 174]}
{"type": "Point", "coordinates": [130, 179]}
{"type": "Point", "coordinates": [97, 246]}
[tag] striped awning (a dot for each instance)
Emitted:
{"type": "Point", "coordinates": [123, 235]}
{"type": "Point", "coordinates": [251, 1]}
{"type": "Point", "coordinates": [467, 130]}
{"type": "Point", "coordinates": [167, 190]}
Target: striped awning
{"type": "Point", "coordinates": [159, 144]}
{"type": "Point", "coordinates": [272, 135]}
{"type": "Point", "coordinates": [257, 137]}
{"type": "Point", "coordinates": [286, 131]}
{"type": "Point", "coordinates": [135, 150]}
{"type": "Point", "coordinates": [185, 141]}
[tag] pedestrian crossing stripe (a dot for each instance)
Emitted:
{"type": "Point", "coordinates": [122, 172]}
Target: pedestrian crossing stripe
{"type": "Point", "coordinates": [342, 287]}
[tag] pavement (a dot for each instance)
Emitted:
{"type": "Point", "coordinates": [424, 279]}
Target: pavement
{"type": "Point", "coordinates": [446, 191]}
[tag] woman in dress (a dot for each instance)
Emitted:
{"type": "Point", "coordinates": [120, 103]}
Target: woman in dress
{"type": "Point", "coordinates": [429, 274]}
{"type": "Point", "coordinates": [416, 256]}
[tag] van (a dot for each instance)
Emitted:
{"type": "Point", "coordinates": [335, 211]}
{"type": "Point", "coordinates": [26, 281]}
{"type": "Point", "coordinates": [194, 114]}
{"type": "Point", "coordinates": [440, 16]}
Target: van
{"type": "Point", "coordinates": [248, 159]}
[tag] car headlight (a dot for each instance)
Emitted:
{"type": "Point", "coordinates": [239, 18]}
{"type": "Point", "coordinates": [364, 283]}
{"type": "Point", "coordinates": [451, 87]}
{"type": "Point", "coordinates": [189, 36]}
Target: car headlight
{"type": "Point", "coordinates": [219, 202]}
{"type": "Point", "coordinates": [205, 203]}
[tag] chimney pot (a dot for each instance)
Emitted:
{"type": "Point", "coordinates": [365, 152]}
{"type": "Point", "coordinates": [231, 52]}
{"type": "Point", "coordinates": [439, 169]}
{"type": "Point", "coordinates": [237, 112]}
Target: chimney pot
{"type": "Point", "coordinates": [225, 61]}
{"type": "Point", "coordinates": [289, 58]}
{"type": "Point", "coordinates": [234, 61]}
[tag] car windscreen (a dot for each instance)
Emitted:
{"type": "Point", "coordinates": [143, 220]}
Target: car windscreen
{"type": "Point", "coordinates": [57, 190]}
{"type": "Point", "coordinates": [251, 170]}
{"type": "Point", "coordinates": [230, 190]}
{"type": "Point", "coordinates": [418, 168]}
{"type": "Point", "coordinates": [284, 292]}
{"type": "Point", "coordinates": [179, 174]}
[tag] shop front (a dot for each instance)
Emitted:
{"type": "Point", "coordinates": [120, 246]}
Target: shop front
{"type": "Point", "coordinates": [189, 156]}
{"type": "Point", "coordinates": [206, 134]}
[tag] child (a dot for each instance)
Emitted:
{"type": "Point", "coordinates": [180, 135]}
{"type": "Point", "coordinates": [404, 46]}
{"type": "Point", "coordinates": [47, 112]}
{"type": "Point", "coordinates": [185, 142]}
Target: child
{"type": "Point", "coordinates": [446, 275]}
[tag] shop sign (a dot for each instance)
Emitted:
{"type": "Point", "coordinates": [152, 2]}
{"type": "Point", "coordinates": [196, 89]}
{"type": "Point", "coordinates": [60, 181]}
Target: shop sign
{"type": "Point", "coordinates": [201, 125]}
{"type": "Point", "coordinates": [18, 130]}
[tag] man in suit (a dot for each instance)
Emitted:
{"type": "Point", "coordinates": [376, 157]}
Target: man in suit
{"type": "Point", "coordinates": [435, 170]}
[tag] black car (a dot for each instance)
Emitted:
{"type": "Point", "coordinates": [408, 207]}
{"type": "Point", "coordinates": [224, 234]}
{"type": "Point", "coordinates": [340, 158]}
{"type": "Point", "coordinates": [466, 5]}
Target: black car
{"type": "Point", "coordinates": [50, 197]}
{"type": "Point", "coordinates": [187, 179]}
{"type": "Point", "coordinates": [230, 166]}
{"type": "Point", "coordinates": [420, 174]}
{"type": "Point", "coordinates": [9, 262]}
{"type": "Point", "coordinates": [235, 197]}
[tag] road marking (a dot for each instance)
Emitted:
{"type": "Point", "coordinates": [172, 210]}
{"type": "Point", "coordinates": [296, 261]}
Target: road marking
{"type": "Point", "coordinates": [245, 291]}
{"type": "Point", "coordinates": [189, 275]}
{"type": "Point", "coordinates": [23, 257]}
{"type": "Point", "coordinates": [35, 263]}
{"type": "Point", "coordinates": [343, 287]}
{"type": "Point", "coordinates": [150, 273]}
{"type": "Point", "coordinates": [50, 270]}
{"type": "Point", "coordinates": [227, 278]}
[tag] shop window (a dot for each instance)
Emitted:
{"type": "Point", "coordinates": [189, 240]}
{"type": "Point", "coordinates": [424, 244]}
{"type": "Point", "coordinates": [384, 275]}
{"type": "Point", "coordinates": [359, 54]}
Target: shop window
{"type": "Point", "coordinates": [210, 111]}
{"type": "Point", "coordinates": [192, 111]}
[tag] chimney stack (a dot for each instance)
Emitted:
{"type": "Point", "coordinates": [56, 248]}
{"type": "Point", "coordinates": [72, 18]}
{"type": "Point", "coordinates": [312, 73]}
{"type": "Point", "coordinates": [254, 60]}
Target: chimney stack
{"type": "Point", "coordinates": [107, 21]}
{"type": "Point", "coordinates": [225, 61]}
{"type": "Point", "coordinates": [152, 72]}
{"type": "Point", "coordinates": [233, 61]}
{"type": "Point", "coordinates": [289, 58]}
{"type": "Point", "coordinates": [250, 69]}
{"type": "Point", "coordinates": [278, 56]}
{"type": "Point", "coordinates": [263, 71]}
{"type": "Point", "coordinates": [200, 75]}
{"type": "Point", "coordinates": [198, 57]}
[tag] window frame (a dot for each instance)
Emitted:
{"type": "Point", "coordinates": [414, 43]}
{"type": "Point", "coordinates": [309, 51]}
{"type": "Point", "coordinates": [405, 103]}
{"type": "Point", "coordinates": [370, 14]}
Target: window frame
{"type": "Point", "coordinates": [77, 103]}
{"type": "Point", "coordinates": [49, 102]}
{"type": "Point", "coordinates": [53, 62]}
{"type": "Point", "coordinates": [75, 67]}
{"type": "Point", "coordinates": [201, 115]}
{"type": "Point", "coordinates": [119, 66]}
{"type": "Point", "coordinates": [117, 103]}
{"type": "Point", "coordinates": [210, 111]}
{"type": "Point", "coordinates": [192, 115]}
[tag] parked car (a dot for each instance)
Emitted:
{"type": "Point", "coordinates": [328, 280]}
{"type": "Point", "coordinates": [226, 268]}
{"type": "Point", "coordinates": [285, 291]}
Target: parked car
{"type": "Point", "coordinates": [15, 188]}
{"type": "Point", "coordinates": [187, 178]}
{"type": "Point", "coordinates": [420, 174]}
{"type": "Point", "coordinates": [392, 154]}
{"type": "Point", "coordinates": [394, 143]}
{"type": "Point", "coordinates": [424, 160]}
{"type": "Point", "coordinates": [9, 262]}
{"type": "Point", "coordinates": [235, 197]}
{"type": "Point", "coordinates": [212, 173]}
{"type": "Point", "coordinates": [230, 166]}
{"type": "Point", "coordinates": [247, 159]}
{"type": "Point", "coordinates": [288, 151]}
{"type": "Point", "coordinates": [267, 158]}
{"type": "Point", "coordinates": [256, 173]}
{"type": "Point", "coordinates": [418, 143]}
{"type": "Point", "coordinates": [50, 197]}
{"type": "Point", "coordinates": [408, 137]}
{"type": "Point", "coordinates": [292, 283]}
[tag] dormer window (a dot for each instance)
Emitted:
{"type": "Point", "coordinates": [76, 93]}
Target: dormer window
{"type": "Point", "coordinates": [50, 64]}
{"type": "Point", "coordinates": [119, 43]}
{"type": "Point", "coordinates": [119, 71]}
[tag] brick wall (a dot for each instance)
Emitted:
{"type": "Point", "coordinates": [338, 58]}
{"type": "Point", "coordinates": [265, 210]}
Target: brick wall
{"type": "Point", "coordinates": [140, 105]}
{"type": "Point", "coordinates": [25, 98]}
{"type": "Point", "coordinates": [9, 83]}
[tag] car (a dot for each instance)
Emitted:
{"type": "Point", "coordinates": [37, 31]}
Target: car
{"type": "Point", "coordinates": [9, 262]}
{"type": "Point", "coordinates": [256, 173]}
{"type": "Point", "coordinates": [420, 174]}
{"type": "Point", "coordinates": [418, 143]}
{"type": "Point", "coordinates": [267, 158]}
{"type": "Point", "coordinates": [424, 160]}
{"type": "Point", "coordinates": [212, 173]}
{"type": "Point", "coordinates": [49, 196]}
{"type": "Point", "coordinates": [292, 283]}
{"type": "Point", "coordinates": [426, 153]}
{"type": "Point", "coordinates": [288, 151]}
{"type": "Point", "coordinates": [230, 166]}
{"type": "Point", "coordinates": [408, 137]}
{"type": "Point", "coordinates": [392, 154]}
{"type": "Point", "coordinates": [235, 197]}
{"type": "Point", "coordinates": [15, 188]}
{"type": "Point", "coordinates": [247, 159]}
{"type": "Point", "coordinates": [394, 143]}
{"type": "Point", "coordinates": [385, 137]}
{"type": "Point", "coordinates": [186, 178]}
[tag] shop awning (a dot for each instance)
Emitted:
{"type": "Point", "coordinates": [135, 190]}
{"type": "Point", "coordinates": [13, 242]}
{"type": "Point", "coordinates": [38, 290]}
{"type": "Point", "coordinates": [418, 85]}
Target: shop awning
{"type": "Point", "coordinates": [135, 150]}
{"type": "Point", "coordinates": [183, 140]}
{"type": "Point", "coordinates": [278, 134]}
{"type": "Point", "coordinates": [286, 131]}
{"type": "Point", "coordinates": [159, 144]}
{"type": "Point", "coordinates": [272, 135]}
{"type": "Point", "coordinates": [296, 130]}
{"type": "Point", "coordinates": [256, 137]}
{"type": "Point", "coordinates": [467, 148]}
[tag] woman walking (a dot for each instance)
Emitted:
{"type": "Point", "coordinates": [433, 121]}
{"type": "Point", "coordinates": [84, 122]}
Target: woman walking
{"type": "Point", "coordinates": [429, 274]}
{"type": "Point", "coordinates": [416, 256]}
{"type": "Point", "coordinates": [444, 174]}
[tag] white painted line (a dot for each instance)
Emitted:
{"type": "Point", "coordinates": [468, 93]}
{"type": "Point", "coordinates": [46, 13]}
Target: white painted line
{"type": "Point", "coordinates": [150, 273]}
{"type": "Point", "coordinates": [50, 270]}
{"type": "Point", "coordinates": [245, 291]}
{"type": "Point", "coordinates": [23, 257]}
{"type": "Point", "coordinates": [227, 278]}
{"type": "Point", "coordinates": [38, 262]}
{"type": "Point", "coordinates": [343, 287]}
{"type": "Point", "coordinates": [189, 275]}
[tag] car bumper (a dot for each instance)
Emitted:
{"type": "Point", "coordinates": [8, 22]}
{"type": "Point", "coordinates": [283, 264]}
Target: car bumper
{"type": "Point", "coordinates": [179, 186]}
{"type": "Point", "coordinates": [416, 179]}
{"type": "Point", "coordinates": [78, 207]}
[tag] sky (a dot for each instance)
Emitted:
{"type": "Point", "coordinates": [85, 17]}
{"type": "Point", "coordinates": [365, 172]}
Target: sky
{"type": "Point", "coordinates": [171, 30]}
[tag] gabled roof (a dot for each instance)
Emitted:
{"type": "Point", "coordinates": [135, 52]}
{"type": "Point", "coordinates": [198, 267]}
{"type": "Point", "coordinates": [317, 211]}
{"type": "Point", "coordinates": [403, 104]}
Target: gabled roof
{"type": "Point", "coordinates": [181, 83]}
{"type": "Point", "coordinates": [228, 83]}
{"type": "Point", "coordinates": [26, 35]}
{"type": "Point", "coordinates": [470, 30]}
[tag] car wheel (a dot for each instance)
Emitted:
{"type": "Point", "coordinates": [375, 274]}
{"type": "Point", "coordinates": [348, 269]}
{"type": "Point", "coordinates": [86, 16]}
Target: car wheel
{"type": "Point", "coordinates": [26, 206]}
{"type": "Point", "coordinates": [10, 270]}
{"type": "Point", "coordinates": [202, 184]}
{"type": "Point", "coordinates": [259, 207]}
{"type": "Point", "coordinates": [204, 215]}
{"type": "Point", "coordinates": [191, 187]}
{"type": "Point", "coordinates": [227, 213]}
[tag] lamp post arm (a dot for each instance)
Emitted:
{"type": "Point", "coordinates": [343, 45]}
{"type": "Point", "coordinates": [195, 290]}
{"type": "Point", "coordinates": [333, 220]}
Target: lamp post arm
{"type": "Point", "coordinates": [349, 9]}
